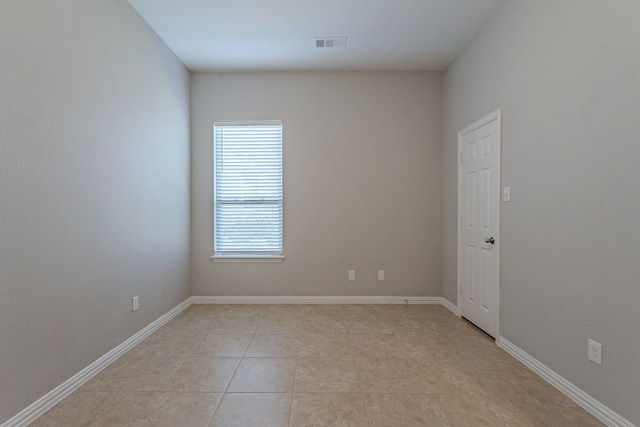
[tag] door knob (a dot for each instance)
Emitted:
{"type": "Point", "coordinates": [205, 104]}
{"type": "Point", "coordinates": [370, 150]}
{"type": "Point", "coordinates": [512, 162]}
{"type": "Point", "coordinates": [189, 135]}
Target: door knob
{"type": "Point", "coordinates": [490, 240]}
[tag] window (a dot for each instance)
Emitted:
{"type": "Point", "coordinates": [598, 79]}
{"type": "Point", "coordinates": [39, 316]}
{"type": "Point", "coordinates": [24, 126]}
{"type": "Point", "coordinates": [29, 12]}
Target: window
{"type": "Point", "coordinates": [248, 190]}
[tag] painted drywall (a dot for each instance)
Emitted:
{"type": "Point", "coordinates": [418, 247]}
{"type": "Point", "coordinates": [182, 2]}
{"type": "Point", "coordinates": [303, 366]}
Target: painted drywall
{"type": "Point", "coordinates": [362, 181]}
{"type": "Point", "coordinates": [94, 187]}
{"type": "Point", "coordinates": [566, 74]}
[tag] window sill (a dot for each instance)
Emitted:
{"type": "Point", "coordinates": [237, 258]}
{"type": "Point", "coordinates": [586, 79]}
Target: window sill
{"type": "Point", "coordinates": [246, 258]}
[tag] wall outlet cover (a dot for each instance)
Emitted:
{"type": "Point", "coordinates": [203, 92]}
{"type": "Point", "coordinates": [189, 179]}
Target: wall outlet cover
{"type": "Point", "coordinates": [595, 352]}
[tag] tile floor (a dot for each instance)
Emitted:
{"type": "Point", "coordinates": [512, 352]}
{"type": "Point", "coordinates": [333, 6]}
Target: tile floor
{"type": "Point", "coordinates": [316, 365]}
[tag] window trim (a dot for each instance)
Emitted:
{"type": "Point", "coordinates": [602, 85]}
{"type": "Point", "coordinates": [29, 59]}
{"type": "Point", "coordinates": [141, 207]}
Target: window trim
{"type": "Point", "coordinates": [246, 257]}
{"type": "Point", "coordinates": [238, 258]}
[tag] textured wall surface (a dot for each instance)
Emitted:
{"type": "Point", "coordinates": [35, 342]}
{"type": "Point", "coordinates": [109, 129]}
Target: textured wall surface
{"type": "Point", "coordinates": [362, 181]}
{"type": "Point", "coordinates": [567, 76]}
{"type": "Point", "coordinates": [94, 187]}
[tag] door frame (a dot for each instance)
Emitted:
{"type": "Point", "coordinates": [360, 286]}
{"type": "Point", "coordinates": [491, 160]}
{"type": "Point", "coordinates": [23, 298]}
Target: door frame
{"type": "Point", "coordinates": [495, 116]}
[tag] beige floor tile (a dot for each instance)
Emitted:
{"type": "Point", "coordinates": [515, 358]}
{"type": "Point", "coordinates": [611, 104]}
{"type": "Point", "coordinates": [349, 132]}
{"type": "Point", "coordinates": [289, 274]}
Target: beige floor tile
{"type": "Point", "coordinates": [249, 311]}
{"type": "Point", "coordinates": [473, 346]}
{"type": "Point", "coordinates": [408, 326]}
{"type": "Point", "coordinates": [323, 325]}
{"type": "Point", "coordinates": [175, 344]}
{"type": "Point", "coordinates": [182, 323]}
{"type": "Point", "coordinates": [142, 374]}
{"type": "Point", "coordinates": [264, 375]}
{"type": "Point", "coordinates": [541, 403]}
{"type": "Point", "coordinates": [218, 315]}
{"type": "Point", "coordinates": [389, 375]}
{"type": "Point", "coordinates": [395, 311]}
{"type": "Point", "coordinates": [436, 310]}
{"type": "Point", "coordinates": [416, 365]}
{"type": "Point", "coordinates": [96, 383]}
{"type": "Point", "coordinates": [237, 325]}
{"type": "Point", "coordinates": [287, 325]}
{"type": "Point", "coordinates": [496, 411]}
{"type": "Point", "coordinates": [562, 413]}
{"type": "Point", "coordinates": [113, 409]}
{"type": "Point", "coordinates": [187, 409]}
{"type": "Point", "coordinates": [366, 325]}
{"type": "Point", "coordinates": [441, 376]}
{"type": "Point", "coordinates": [517, 385]}
{"type": "Point", "coordinates": [198, 309]}
{"type": "Point", "coordinates": [322, 310]}
{"type": "Point", "coordinates": [273, 346]}
{"type": "Point", "coordinates": [471, 410]}
{"type": "Point", "coordinates": [146, 347]}
{"type": "Point", "coordinates": [67, 404]}
{"type": "Point", "coordinates": [329, 409]}
{"type": "Point", "coordinates": [324, 345]}
{"type": "Point", "coordinates": [424, 346]}
{"type": "Point", "coordinates": [326, 375]}
{"type": "Point", "coordinates": [204, 374]}
{"type": "Point", "coordinates": [359, 310]}
{"type": "Point", "coordinates": [410, 410]}
{"type": "Point", "coordinates": [375, 345]}
{"type": "Point", "coordinates": [223, 345]}
{"type": "Point", "coordinates": [292, 310]}
{"type": "Point", "coordinates": [481, 372]}
{"type": "Point", "coordinates": [253, 409]}
{"type": "Point", "coordinates": [503, 363]}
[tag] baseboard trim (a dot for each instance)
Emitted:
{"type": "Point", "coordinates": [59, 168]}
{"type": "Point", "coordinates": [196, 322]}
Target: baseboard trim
{"type": "Point", "coordinates": [593, 406]}
{"type": "Point", "coordinates": [49, 400]}
{"type": "Point", "coordinates": [314, 300]}
{"type": "Point", "coordinates": [450, 306]}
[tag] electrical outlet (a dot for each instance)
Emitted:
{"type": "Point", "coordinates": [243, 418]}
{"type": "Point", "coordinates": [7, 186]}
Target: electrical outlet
{"type": "Point", "coordinates": [595, 352]}
{"type": "Point", "coordinates": [352, 275]}
{"type": "Point", "coordinates": [380, 274]}
{"type": "Point", "coordinates": [135, 303]}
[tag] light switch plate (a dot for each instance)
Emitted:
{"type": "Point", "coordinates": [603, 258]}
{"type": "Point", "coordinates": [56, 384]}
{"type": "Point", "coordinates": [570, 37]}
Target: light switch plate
{"type": "Point", "coordinates": [506, 194]}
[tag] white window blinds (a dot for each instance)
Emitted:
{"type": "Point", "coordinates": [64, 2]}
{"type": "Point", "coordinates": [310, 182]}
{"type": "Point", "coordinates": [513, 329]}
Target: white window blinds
{"type": "Point", "coordinates": [248, 189]}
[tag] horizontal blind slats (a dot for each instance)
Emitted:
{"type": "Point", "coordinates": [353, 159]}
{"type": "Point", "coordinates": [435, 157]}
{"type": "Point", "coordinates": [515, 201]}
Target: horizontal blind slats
{"type": "Point", "coordinates": [248, 189]}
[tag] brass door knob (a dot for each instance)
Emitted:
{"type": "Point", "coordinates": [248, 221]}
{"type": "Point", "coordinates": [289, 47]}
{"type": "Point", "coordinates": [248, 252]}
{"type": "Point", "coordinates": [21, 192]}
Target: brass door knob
{"type": "Point", "coordinates": [490, 240]}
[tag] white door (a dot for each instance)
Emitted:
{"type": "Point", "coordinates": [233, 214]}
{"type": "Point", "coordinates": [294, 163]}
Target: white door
{"type": "Point", "coordinates": [479, 223]}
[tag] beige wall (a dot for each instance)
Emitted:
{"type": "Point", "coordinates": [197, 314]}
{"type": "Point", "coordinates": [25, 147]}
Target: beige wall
{"type": "Point", "coordinates": [362, 181]}
{"type": "Point", "coordinates": [567, 76]}
{"type": "Point", "coordinates": [94, 187]}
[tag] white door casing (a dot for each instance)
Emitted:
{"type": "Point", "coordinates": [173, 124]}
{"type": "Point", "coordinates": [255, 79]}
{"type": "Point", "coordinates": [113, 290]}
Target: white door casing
{"type": "Point", "coordinates": [479, 148]}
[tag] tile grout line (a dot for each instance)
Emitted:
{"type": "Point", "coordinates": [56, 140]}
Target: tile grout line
{"type": "Point", "coordinates": [226, 390]}
{"type": "Point", "coordinates": [293, 391]}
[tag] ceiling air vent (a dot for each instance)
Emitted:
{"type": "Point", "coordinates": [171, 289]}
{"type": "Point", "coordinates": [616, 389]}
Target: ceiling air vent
{"type": "Point", "coordinates": [330, 41]}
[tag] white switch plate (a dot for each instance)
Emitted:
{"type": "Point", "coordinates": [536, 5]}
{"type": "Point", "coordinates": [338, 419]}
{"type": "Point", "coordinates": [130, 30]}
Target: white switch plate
{"type": "Point", "coordinates": [506, 194]}
{"type": "Point", "coordinates": [352, 275]}
{"type": "Point", "coordinates": [595, 352]}
{"type": "Point", "coordinates": [380, 274]}
{"type": "Point", "coordinates": [135, 303]}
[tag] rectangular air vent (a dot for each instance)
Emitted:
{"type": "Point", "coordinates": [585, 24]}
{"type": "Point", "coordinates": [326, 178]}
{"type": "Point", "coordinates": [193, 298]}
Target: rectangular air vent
{"type": "Point", "coordinates": [330, 41]}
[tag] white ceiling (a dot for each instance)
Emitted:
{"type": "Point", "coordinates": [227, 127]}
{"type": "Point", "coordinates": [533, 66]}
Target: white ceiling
{"type": "Point", "coordinates": [277, 35]}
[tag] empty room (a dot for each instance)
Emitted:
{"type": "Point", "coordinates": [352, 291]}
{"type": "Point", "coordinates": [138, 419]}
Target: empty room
{"type": "Point", "coordinates": [290, 213]}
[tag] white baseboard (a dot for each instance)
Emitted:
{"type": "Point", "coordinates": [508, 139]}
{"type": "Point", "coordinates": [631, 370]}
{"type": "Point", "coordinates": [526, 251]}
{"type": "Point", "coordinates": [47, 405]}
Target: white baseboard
{"type": "Point", "coordinates": [595, 407]}
{"type": "Point", "coordinates": [450, 306]}
{"type": "Point", "coordinates": [49, 400]}
{"type": "Point", "coordinates": [315, 300]}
